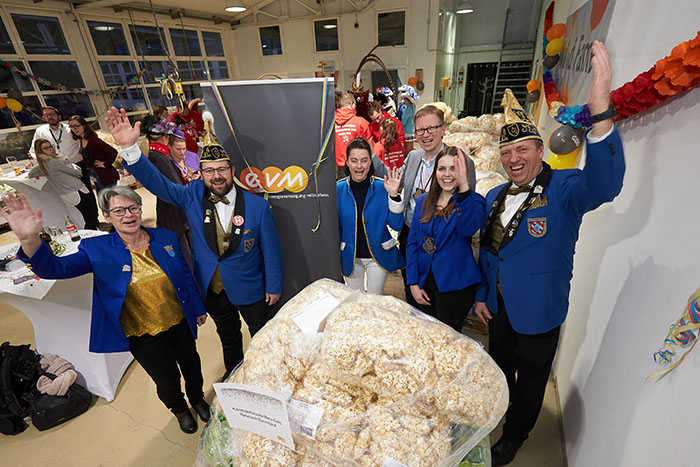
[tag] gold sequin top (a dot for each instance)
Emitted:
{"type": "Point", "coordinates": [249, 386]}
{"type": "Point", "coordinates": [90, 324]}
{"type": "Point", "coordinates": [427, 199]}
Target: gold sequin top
{"type": "Point", "coordinates": [151, 304]}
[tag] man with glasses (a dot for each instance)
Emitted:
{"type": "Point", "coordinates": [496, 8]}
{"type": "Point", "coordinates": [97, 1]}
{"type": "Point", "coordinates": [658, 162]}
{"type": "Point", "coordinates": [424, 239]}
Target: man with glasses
{"type": "Point", "coordinates": [418, 167]}
{"type": "Point", "coordinates": [236, 254]}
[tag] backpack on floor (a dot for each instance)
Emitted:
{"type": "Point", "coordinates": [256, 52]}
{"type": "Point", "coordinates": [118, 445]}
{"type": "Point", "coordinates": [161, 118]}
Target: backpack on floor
{"type": "Point", "coordinates": [19, 371]}
{"type": "Point", "coordinates": [47, 411]}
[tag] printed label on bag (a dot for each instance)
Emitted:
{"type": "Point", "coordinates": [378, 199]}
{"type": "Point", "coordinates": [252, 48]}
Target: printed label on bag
{"type": "Point", "coordinates": [311, 319]}
{"type": "Point", "coordinates": [304, 418]}
{"type": "Point", "coordinates": [389, 462]}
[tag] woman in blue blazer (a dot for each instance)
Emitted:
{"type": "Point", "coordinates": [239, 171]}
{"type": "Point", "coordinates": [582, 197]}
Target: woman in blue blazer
{"type": "Point", "coordinates": [440, 266]}
{"type": "Point", "coordinates": [367, 208]}
{"type": "Point", "coordinates": [144, 297]}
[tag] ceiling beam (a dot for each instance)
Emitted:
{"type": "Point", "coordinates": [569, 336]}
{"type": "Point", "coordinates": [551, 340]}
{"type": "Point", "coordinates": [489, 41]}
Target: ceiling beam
{"type": "Point", "coordinates": [254, 9]}
{"type": "Point", "coordinates": [313, 10]}
{"type": "Point", "coordinates": [99, 4]}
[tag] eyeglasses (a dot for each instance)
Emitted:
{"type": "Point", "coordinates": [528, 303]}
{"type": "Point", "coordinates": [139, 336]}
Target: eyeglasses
{"type": "Point", "coordinates": [220, 170]}
{"type": "Point", "coordinates": [430, 129]}
{"type": "Point", "coordinates": [46, 148]}
{"type": "Point", "coordinates": [120, 212]}
{"type": "Point", "coordinates": [75, 126]}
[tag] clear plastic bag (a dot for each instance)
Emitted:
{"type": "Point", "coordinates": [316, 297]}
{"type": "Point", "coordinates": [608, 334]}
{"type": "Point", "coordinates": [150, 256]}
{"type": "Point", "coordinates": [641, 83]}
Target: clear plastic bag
{"type": "Point", "coordinates": [393, 383]}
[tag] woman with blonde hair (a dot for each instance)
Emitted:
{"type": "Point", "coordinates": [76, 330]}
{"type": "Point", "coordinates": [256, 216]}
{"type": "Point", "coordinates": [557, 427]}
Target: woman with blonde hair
{"type": "Point", "coordinates": [64, 178]}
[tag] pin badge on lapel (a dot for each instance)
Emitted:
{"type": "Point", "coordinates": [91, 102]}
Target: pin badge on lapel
{"type": "Point", "coordinates": [170, 250]}
{"type": "Point", "coordinates": [207, 216]}
{"type": "Point", "coordinates": [238, 221]}
{"type": "Point", "coordinates": [237, 232]}
{"type": "Point", "coordinates": [538, 189]}
{"type": "Point", "coordinates": [126, 268]}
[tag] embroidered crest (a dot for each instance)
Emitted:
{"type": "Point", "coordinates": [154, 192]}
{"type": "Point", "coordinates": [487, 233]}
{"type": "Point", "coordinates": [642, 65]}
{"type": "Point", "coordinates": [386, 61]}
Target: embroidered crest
{"type": "Point", "coordinates": [537, 226]}
{"type": "Point", "coordinates": [126, 268]}
{"type": "Point", "coordinates": [170, 250]}
{"type": "Point", "coordinates": [248, 244]}
{"type": "Point", "coordinates": [538, 202]}
{"type": "Point", "coordinates": [238, 221]}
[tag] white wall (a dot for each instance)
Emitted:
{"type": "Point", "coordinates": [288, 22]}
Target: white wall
{"type": "Point", "coordinates": [635, 266]}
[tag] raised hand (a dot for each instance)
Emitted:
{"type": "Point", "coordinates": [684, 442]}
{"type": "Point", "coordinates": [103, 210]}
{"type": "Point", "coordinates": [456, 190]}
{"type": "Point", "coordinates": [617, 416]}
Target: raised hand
{"type": "Point", "coordinates": [392, 182]}
{"type": "Point", "coordinates": [24, 222]}
{"type": "Point", "coordinates": [461, 174]}
{"type": "Point", "coordinates": [599, 95]}
{"type": "Point", "coordinates": [118, 123]}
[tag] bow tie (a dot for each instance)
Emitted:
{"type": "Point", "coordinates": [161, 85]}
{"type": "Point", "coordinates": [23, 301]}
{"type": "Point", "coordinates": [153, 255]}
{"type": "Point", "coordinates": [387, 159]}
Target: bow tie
{"type": "Point", "coordinates": [215, 199]}
{"type": "Point", "coordinates": [519, 189]}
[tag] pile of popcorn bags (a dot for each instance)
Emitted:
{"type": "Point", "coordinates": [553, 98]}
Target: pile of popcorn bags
{"type": "Point", "coordinates": [395, 385]}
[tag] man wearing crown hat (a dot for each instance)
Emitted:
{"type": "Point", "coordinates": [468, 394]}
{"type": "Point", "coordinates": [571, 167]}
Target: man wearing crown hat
{"type": "Point", "coordinates": [236, 254]}
{"type": "Point", "coordinates": [527, 249]}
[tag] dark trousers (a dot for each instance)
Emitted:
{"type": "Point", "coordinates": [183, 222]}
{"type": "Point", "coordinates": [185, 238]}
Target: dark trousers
{"type": "Point", "coordinates": [228, 324]}
{"type": "Point", "coordinates": [87, 205]}
{"type": "Point", "coordinates": [449, 307]}
{"type": "Point", "coordinates": [526, 360]}
{"type": "Point", "coordinates": [160, 356]}
{"type": "Point", "coordinates": [403, 241]}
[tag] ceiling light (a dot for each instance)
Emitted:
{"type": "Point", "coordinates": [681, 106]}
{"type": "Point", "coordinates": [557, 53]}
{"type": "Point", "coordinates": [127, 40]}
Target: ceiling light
{"type": "Point", "coordinates": [235, 6]}
{"type": "Point", "coordinates": [465, 7]}
{"type": "Point", "coordinates": [104, 28]}
{"type": "Point", "coordinates": [330, 26]}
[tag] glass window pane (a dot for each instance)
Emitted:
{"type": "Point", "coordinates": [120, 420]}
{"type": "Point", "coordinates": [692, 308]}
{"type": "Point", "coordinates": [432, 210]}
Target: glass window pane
{"type": "Point", "coordinates": [13, 144]}
{"type": "Point", "coordinates": [130, 99]}
{"type": "Point", "coordinates": [326, 33]}
{"type": "Point", "coordinates": [157, 98]}
{"type": "Point", "coordinates": [117, 73]}
{"type": "Point", "coordinates": [192, 91]}
{"type": "Point", "coordinates": [181, 42]}
{"type": "Point", "coordinates": [71, 104]}
{"type": "Point", "coordinates": [218, 69]}
{"type": "Point", "coordinates": [391, 27]}
{"type": "Point", "coordinates": [212, 44]}
{"type": "Point", "coordinates": [271, 40]}
{"type": "Point", "coordinates": [65, 73]}
{"type": "Point", "coordinates": [40, 34]}
{"type": "Point", "coordinates": [108, 38]}
{"type": "Point", "coordinates": [6, 46]}
{"type": "Point", "coordinates": [10, 80]}
{"type": "Point", "coordinates": [31, 109]}
{"type": "Point", "coordinates": [154, 70]}
{"type": "Point", "coordinates": [147, 40]}
{"type": "Point", "coordinates": [192, 71]}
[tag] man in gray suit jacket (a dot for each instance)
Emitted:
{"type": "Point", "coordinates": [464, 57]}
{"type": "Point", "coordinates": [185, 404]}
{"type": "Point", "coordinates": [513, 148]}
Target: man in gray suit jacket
{"type": "Point", "coordinates": [418, 167]}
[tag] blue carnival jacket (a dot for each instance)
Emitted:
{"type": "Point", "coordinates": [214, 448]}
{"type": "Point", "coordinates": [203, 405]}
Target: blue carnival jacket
{"type": "Point", "coordinates": [107, 258]}
{"type": "Point", "coordinates": [377, 215]}
{"type": "Point", "coordinates": [535, 266]}
{"type": "Point", "coordinates": [252, 269]}
{"type": "Point", "coordinates": [453, 264]}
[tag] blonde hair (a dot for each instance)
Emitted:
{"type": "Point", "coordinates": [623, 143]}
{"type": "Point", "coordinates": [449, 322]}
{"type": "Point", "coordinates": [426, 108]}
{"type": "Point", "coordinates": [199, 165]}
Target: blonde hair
{"type": "Point", "coordinates": [41, 156]}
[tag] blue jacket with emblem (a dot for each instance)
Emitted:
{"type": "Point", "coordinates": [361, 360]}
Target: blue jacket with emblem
{"type": "Point", "coordinates": [453, 264]}
{"type": "Point", "coordinates": [377, 215]}
{"type": "Point", "coordinates": [254, 268]}
{"type": "Point", "coordinates": [535, 266]}
{"type": "Point", "coordinates": [108, 259]}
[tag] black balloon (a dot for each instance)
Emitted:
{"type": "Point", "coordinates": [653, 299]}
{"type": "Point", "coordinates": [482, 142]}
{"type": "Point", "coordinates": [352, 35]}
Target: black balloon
{"type": "Point", "coordinates": [565, 139]}
{"type": "Point", "coordinates": [550, 61]}
{"type": "Point", "coordinates": [532, 96]}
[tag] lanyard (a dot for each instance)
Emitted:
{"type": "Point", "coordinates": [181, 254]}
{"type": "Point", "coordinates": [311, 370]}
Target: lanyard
{"type": "Point", "coordinates": [60, 135]}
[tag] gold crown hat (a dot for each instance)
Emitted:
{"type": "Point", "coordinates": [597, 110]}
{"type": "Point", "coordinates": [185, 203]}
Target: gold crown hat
{"type": "Point", "coordinates": [212, 150]}
{"type": "Point", "coordinates": [518, 126]}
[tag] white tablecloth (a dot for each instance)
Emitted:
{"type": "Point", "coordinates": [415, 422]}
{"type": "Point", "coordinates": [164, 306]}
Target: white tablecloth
{"type": "Point", "coordinates": [60, 314]}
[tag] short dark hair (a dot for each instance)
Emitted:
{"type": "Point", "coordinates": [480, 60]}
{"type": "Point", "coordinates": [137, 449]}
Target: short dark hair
{"type": "Point", "coordinates": [359, 143]}
{"type": "Point", "coordinates": [48, 107]}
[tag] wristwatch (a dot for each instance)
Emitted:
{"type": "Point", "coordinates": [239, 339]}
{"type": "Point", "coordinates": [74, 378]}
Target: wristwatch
{"type": "Point", "coordinates": [610, 113]}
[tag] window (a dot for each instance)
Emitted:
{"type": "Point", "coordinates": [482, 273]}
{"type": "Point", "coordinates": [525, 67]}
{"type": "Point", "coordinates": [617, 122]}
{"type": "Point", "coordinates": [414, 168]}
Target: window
{"type": "Point", "coordinates": [185, 44]}
{"type": "Point", "coordinates": [157, 98]}
{"type": "Point", "coordinates": [71, 104]}
{"type": "Point", "coordinates": [326, 34]}
{"type": "Point", "coordinates": [218, 70]}
{"type": "Point", "coordinates": [30, 103]}
{"type": "Point", "coordinates": [41, 34]}
{"type": "Point", "coordinates": [10, 80]}
{"type": "Point", "coordinates": [192, 71]}
{"type": "Point", "coordinates": [131, 100]}
{"type": "Point", "coordinates": [391, 28]}
{"type": "Point", "coordinates": [108, 38]}
{"type": "Point", "coordinates": [212, 44]}
{"type": "Point", "coordinates": [6, 46]}
{"type": "Point", "coordinates": [148, 40]}
{"type": "Point", "coordinates": [66, 73]}
{"type": "Point", "coordinates": [271, 40]}
{"type": "Point", "coordinates": [154, 70]}
{"type": "Point", "coordinates": [117, 73]}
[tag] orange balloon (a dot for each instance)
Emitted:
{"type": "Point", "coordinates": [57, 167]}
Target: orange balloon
{"type": "Point", "coordinates": [556, 31]}
{"type": "Point", "coordinates": [533, 85]}
{"type": "Point", "coordinates": [3, 102]}
{"type": "Point", "coordinates": [412, 81]}
{"type": "Point", "coordinates": [554, 47]}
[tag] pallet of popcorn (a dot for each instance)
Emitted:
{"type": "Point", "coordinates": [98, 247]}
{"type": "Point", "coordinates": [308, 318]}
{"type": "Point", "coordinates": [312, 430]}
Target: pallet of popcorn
{"type": "Point", "coordinates": [393, 384]}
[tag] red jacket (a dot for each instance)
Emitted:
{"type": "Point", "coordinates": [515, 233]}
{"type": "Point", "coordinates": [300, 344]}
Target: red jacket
{"type": "Point", "coordinates": [375, 129]}
{"type": "Point", "coordinates": [193, 127]}
{"type": "Point", "coordinates": [394, 159]}
{"type": "Point", "coordinates": [98, 150]}
{"type": "Point", "coordinates": [348, 126]}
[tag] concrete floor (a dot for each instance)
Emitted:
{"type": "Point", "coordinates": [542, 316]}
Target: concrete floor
{"type": "Point", "coordinates": [137, 430]}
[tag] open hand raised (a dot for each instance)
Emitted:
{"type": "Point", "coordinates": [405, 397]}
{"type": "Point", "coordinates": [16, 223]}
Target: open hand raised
{"type": "Point", "coordinates": [118, 123]}
{"type": "Point", "coordinates": [392, 182]}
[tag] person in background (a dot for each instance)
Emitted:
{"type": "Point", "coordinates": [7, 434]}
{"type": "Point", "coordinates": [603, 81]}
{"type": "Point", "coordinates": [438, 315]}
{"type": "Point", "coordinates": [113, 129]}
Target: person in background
{"type": "Point", "coordinates": [161, 112]}
{"type": "Point", "coordinates": [367, 208]}
{"type": "Point", "coordinates": [378, 115]}
{"type": "Point", "coordinates": [64, 178]}
{"type": "Point", "coordinates": [388, 149]}
{"type": "Point", "coordinates": [144, 297]}
{"type": "Point", "coordinates": [187, 161]}
{"type": "Point", "coordinates": [190, 121]}
{"type": "Point", "coordinates": [168, 216]}
{"type": "Point", "coordinates": [440, 268]}
{"type": "Point", "coordinates": [408, 109]}
{"type": "Point", "coordinates": [98, 156]}
{"type": "Point", "coordinates": [348, 126]}
{"type": "Point", "coordinates": [528, 244]}
{"type": "Point", "coordinates": [236, 253]}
